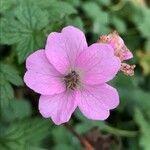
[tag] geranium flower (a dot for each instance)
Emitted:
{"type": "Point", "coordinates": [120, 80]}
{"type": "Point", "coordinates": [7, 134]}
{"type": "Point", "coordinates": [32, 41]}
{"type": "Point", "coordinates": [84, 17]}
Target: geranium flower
{"type": "Point", "coordinates": [69, 74]}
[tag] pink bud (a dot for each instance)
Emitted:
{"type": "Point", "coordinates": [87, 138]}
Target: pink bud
{"type": "Point", "coordinates": [117, 43]}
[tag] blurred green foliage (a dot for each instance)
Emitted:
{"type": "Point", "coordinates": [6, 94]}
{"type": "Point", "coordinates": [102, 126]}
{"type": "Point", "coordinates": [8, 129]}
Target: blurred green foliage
{"type": "Point", "coordinates": [24, 27]}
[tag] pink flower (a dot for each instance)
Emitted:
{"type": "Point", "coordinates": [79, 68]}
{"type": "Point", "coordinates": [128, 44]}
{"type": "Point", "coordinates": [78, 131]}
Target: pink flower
{"type": "Point", "coordinates": [120, 49]}
{"type": "Point", "coordinates": [69, 74]}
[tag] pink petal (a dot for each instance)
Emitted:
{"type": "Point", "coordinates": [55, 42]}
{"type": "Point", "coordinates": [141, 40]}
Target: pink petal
{"type": "Point", "coordinates": [58, 107]}
{"type": "Point", "coordinates": [63, 48]}
{"type": "Point", "coordinates": [116, 41]}
{"type": "Point", "coordinates": [41, 75]}
{"type": "Point", "coordinates": [98, 64]}
{"type": "Point", "coordinates": [96, 101]}
{"type": "Point", "coordinates": [128, 55]}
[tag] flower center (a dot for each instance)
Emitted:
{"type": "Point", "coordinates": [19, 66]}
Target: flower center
{"type": "Point", "coordinates": [72, 80]}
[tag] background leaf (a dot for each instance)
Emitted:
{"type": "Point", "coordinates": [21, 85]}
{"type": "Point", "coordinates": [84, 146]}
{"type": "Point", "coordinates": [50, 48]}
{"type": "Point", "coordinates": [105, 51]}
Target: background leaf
{"type": "Point", "coordinates": [144, 129]}
{"type": "Point", "coordinates": [24, 134]}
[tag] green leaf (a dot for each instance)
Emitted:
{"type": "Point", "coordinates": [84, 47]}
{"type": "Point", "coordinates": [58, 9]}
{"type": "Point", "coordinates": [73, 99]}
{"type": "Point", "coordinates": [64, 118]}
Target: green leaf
{"type": "Point", "coordinates": [133, 144]}
{"type": "Point", "coordinates": [29, 44]}
{"type": "Point", "coordinates": [35, 148]}
{"type": "Point", "coordinates": [141, 99]}
{"type": "Point", "coordinates": [64, 147]}
{"type": "Point", "coordinates": [57, 10]}
{"type": "Point", "coordinates": [74, 2]}
{"type": "Point", "coordinates": [104, 2]}
{"type": "Point", "coordinates": [136, 96]}
{"type": "Point", "coordinates": [64, 137]}
{"type": "Point", "coordinates": [144, 129]}
{"type": "Point", "coordinates": [25, 28]}
{"type": "Point", "coordinates": [6, 5]}
{"type": "Point", "coordinates": [18, 109]}
{"type": "Point", "coordinates": [77, 22]}
{"type": "Point", "coordinates": [129, 11]}
{"type": "Point", "coordinates": [91, 9]}
{"type": "Point", "coordinates": [7, 94]}
{"type": "Point", "coordinates": [144, 25]}
{"type": "Point", "coordinates": [99, 17]}
{"type": "Point", "coordinates": [24, 134]}
{"type": "Point", "coordinates": [8, 75]}
{"type": "Point", "coordinates": [30, 17]}
{"type": "Point", "coordinates": [86, 125]}
{"type": "Point", "coordinates": [122, 80]}
{"type": "Point", "coordinates": [119, 24]}
{"type": "Point", "coordinates": [94, 12]}
{"type": "Point", "coordinates": [147, 45]}
{"type": "Point", "coordinates": [11, 74]}
{"type": "Point", "coordinates": [21, 108]}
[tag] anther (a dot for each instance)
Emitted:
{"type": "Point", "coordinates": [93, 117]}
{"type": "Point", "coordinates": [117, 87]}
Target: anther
{"type": "Point", "coordinates": [71, 80]}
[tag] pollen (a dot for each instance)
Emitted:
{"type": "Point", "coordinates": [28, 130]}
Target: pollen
{"type": "Point", "coordinates": [72, 80]}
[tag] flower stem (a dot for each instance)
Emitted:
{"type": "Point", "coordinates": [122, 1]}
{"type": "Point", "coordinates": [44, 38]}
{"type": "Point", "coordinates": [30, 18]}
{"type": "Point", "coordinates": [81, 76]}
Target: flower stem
{"type": "Point", "coordinates": [82, 140]}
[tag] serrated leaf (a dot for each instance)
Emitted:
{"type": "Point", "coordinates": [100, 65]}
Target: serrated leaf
{"type": "Point", "coordinates": [30, 17]}
{"type": "Point", "coordinates": [26, 133]}
{"type": "Point", "coordinates": [57, 9]}
{"type": "Point", "coordinates": [6, 5]}
{"type": "Point", "coordinates": [27, 45]}
{"type": "Point", "coordinates": [10, 74]}
{"type": "Point", "coordinates": [25, 28]}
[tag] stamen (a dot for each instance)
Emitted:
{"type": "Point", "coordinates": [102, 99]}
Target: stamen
{"type": "Point", "coordinates": [72, 80]}
{"type": "Point", "coordinates": [127, 69]}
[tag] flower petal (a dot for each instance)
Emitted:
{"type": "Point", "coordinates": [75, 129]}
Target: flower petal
{"type": "Point", "coordinates": [41, 76]}
{"type": "Point", "coordinates": [96, 101]}
{"type": "Point", "coordinates": [63, 48]}
{"type": "Point", "coordinates": [98, 64]}
{"type": "Point", "coordinates": [58, 107]}
{"type": "Point", "coordinates": [127, 55]}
